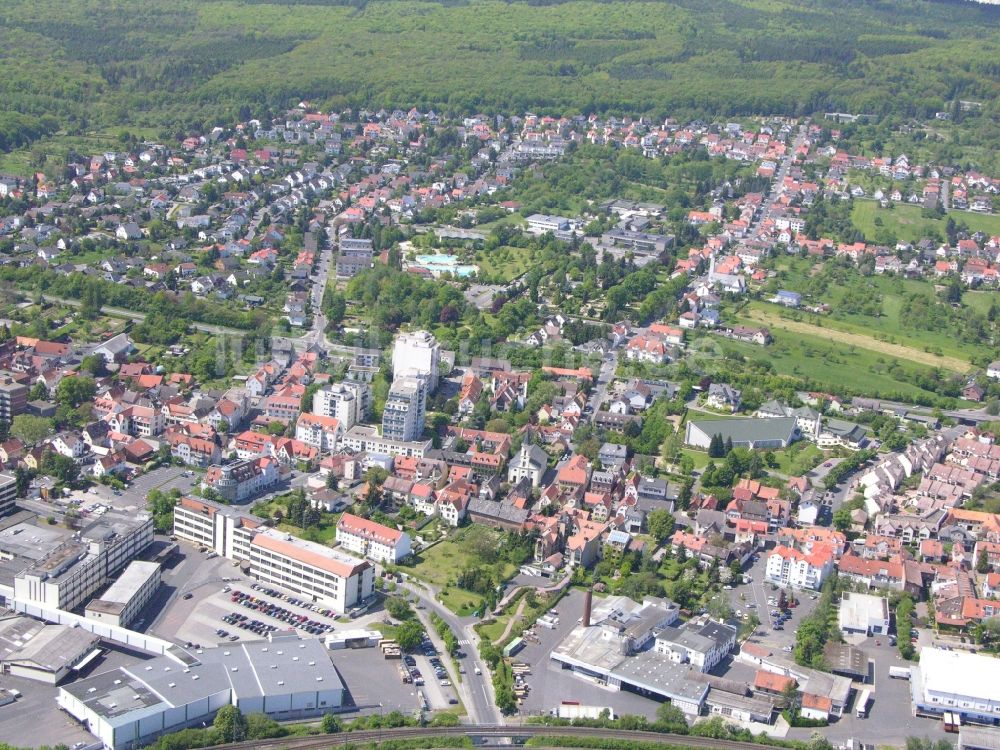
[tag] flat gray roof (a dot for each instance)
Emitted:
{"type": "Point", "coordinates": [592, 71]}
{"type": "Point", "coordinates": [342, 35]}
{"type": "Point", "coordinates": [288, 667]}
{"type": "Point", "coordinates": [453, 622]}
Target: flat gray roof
{"type": "Point", "coordinates": [258, 668]}
{"type": "Point", "coordinates": [748, 429]}
{"type": "Point", "coordinates": [132, 579]}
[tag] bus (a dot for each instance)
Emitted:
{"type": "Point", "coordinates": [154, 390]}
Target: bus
{"type": "Point", "coordinates": [861, 705]}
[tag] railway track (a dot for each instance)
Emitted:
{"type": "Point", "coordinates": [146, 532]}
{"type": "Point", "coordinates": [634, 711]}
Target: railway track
{"type": "Point", "coordinates": [487, 732]}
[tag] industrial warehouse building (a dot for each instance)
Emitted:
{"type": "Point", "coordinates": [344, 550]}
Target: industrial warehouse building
{"type": "Point", "coordinates": [957, 682]}
{"type": "Point", "coordinates": [58, 568]}
{"type": "Point", "coordinates": [34, 650]}
{"type": "Point", "coordinates": [284, 677]}
{"type": "Point", "coordinates": [863, 613]}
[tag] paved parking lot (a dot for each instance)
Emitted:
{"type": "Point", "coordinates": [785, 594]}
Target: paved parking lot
{"type": "Point", "coordinates": [35, 719]}
{"type": "Point", "coordinates": [372, 680]}
{"type": "Point", "coordinates": [890, 720]}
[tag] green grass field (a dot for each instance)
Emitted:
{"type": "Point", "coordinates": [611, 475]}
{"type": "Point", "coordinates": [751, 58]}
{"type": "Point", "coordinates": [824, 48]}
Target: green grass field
{"type": "Point", "coordinates": [831, 365]}
{"type": "Point", "coordinates": [891, 326]}
{"type": "Point", "coordinates": [852, 335]}
{"type": "Point", "coordinates": [906, 222]}
{"type": "Point", "coordinates": [439, 564]}
{"type": "Point", "coordinates": [797, 459]}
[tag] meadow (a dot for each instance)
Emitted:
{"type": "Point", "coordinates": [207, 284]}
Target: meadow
{"type": "Point", "coordinates": [908, 225]}
{"type": "Point", "coordinates": [876, 312]}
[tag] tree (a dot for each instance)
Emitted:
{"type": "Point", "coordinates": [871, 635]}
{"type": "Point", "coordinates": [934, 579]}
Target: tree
{"type": "Point", "coordinates": [716, 447]}
{"type": "Point", "coordinates": [260, 726]}
{"type": "Point", "coordinates": [818, 742]}
{"type": "Point", "coordinates": [671, 716]}
{"type": "Point", "coordinates": [410, 634]}
{"type": "Point", "coordinates": [75, 390]}
{"type": "Point", "coordinates": [661, 524]}
{"type": "Point", "coordinates": [94, 364]}
{"type": "Point", "coordinates": [230, 724]}
{"type": "Point", "coordinates": [983, 563]}
{"type": "Point", "coordinates": [30, 429]}
{"type": "Point", "coordinates": [398, 608]}
{"type": "Point", "coordinates": [719, 607]}
{"type": "Point", "coordinates": [330, 724]}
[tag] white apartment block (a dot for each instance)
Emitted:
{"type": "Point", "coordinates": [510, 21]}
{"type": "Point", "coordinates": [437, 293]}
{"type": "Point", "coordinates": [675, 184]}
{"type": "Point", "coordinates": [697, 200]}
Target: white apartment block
{"type": "Point", "coordinates": [405, 408]}
{"type": "Point", "coordinates": [322, 433]}
{"type": "Point", "coordinates": [417, 353]}
{"type": "Point", "coordinates": [346, 402]}
{"type": "Point", "coordinates": [365, 439]}
{"type": "Point", "coordinates": [789, 567]}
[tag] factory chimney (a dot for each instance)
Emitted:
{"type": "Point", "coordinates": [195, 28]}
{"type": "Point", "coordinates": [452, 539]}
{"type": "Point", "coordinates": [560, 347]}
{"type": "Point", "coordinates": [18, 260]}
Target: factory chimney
{"type": "Point", "coordinates": [588, 597]}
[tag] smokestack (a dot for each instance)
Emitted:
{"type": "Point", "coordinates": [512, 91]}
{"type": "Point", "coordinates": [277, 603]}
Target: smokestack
{"type": "Point", "coordinates": [588, 597]}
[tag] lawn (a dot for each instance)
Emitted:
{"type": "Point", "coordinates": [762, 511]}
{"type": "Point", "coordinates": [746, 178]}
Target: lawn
{"type": "Point", "coordinates": [907, 223]}
{"type": "Point", "coordinates": [700, 458]}
{"type": "Point", "coordinates": [876, 307]}
{"type": "Point", "coordinates": [438, 564]}
{"type": "Point", "coordinates": [797, 459]}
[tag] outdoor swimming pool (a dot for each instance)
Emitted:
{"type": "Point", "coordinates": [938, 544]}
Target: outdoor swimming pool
{"type": "Point", "coordinates": [438, 264]}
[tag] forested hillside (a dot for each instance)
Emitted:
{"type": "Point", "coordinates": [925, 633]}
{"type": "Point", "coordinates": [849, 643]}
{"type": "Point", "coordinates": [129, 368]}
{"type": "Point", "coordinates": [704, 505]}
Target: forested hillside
{"type": "Point", "coordinates": [75, 65]}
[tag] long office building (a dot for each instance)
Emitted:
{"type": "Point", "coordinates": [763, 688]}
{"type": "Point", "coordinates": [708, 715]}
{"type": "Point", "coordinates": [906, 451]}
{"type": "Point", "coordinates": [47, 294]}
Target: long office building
{"type": "Point", "coordinates": [296, 565]}
{"type": "Point", "coordinates": [61, 570]}
{"type": "Point", "coordinates": [126, 597]}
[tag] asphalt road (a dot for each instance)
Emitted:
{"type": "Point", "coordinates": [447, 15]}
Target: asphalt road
{"type": "Point", "coordinates": [475, 691]}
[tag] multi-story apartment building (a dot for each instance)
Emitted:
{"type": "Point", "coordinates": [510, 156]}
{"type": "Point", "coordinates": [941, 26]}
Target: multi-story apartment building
{"type": "Point", "coordinates": [372, 540]}
{"type": "Point", "coordinates": [354, 257]}
{"type": "Point", "coordinates": [417, 353]}
{"type": "Point", "coordinates": [790, 567]}
{"type": "Point", "coordinates": [405, 408]}
{"type": "Point", "coordinates": [8, 494]}
{"type": "Point", "coordinates": [13, 399]}
{"type": "Point", "coordinates": [242, 480]}
{"type": "Point", "coordinates": [365, 438]}
{"type": "Point", "coordinates": [323, 433]}
{"type": "Point", "coordinates": [348, 402]}
{"type": "Point", "coordinates": [193, 451]}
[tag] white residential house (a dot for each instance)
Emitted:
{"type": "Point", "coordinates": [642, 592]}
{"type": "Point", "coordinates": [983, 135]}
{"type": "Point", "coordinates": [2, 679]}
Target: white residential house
{"type": "Point", "coordinates": [790, 567]}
